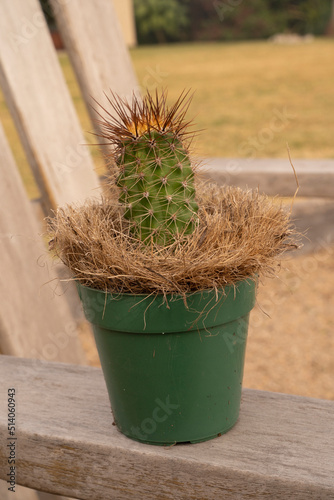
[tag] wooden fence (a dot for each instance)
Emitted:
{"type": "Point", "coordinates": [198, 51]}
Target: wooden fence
{"type": "Point", "coordinates": [67, 443]}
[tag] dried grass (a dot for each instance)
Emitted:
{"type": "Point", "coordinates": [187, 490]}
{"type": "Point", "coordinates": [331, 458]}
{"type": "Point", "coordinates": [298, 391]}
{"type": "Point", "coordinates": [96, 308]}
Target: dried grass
{"type": "Point", "coordinates": [240, 234]}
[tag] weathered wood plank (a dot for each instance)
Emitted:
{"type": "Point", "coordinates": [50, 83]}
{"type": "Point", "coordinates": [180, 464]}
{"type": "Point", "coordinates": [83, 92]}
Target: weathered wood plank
{"type": "Point", "coordinates": [95, 44]}
{"type": "Point", "coordinates": [281, 447]}
{"type": "Point", "coordinates": [274, 176]}
{"type": "Point", "coordinates": [40, 103]}
{"type": "Point", "coordinates": [125, 14]}
{"type": "Point", "coordinates": [34, 321]}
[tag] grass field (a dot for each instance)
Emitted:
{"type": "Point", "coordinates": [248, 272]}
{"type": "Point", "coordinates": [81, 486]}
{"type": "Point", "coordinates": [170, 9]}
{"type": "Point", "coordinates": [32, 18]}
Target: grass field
{"type": "Point", "coordinates": [240, 88]}
{"type": "Point", "coordinates": [250, 98]}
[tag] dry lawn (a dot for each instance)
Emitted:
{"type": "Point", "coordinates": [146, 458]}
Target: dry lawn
{"type": "Point", "coordinates": [241, 90]}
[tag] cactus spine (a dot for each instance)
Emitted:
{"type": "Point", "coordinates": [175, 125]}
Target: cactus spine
{"type": "Point", "coordinates": [155, 175]}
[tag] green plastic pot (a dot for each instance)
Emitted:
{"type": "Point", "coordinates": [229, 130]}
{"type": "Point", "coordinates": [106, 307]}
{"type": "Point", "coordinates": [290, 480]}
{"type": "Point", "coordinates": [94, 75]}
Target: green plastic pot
{"type": "Point", "coordinates": [173, 371]}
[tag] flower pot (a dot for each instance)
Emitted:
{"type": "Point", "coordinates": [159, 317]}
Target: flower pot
{"type": "Point", "coordinates": [173, 372]}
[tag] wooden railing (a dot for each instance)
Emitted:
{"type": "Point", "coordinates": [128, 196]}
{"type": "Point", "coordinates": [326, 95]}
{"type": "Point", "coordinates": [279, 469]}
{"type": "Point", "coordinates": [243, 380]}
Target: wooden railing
{"type": "Point", "coordinates": [281, 447]}
{"type": "Point", "coordinates": [313, 210]}
{"type": "Point", "coordinates": [275, 176]}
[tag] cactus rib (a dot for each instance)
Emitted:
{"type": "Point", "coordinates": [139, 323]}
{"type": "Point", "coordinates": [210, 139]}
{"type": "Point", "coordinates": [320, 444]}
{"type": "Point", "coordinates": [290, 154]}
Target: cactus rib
{"type": "Point", "coordinates": [155, 175]}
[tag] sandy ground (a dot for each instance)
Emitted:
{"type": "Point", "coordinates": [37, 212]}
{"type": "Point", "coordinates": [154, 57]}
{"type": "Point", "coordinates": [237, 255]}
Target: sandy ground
{"type": "Point", "coordinates": [292, 350]}
{"type": "Point", "coordinates": [290, 345]}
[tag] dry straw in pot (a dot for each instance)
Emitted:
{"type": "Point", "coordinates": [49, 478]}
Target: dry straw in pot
{"type": "Point", "coordinates": [235, 234]}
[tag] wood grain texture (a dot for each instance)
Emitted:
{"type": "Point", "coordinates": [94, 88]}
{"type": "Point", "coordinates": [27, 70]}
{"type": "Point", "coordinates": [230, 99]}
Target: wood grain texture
{"type": "Point", "coordinates": [96, 47]}
{"type": "Point", "coordinates": [281, 447]}
{"type": "Point", "coordinates": [34, 320]}
{"type": "Point", "coordinates": [274, 176]}
{"type": "Point", "coordinates": [40, 103]}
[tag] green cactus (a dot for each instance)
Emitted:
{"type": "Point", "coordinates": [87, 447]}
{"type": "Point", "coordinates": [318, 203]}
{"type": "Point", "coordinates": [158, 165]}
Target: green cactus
{"type": "Point", "coordinates": [155, 175]}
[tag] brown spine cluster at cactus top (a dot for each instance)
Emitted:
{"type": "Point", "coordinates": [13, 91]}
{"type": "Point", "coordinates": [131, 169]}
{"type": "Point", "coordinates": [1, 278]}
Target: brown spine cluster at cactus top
{"type": "Point", "coordinates": [155, 175]}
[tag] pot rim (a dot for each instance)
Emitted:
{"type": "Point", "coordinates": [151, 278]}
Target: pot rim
{"type": "Point", "coordinates": [172, 295]}
{"type": "Point", "coordinates": [146, 313]}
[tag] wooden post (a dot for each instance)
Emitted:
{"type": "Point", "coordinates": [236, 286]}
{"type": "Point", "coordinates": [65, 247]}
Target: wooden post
{"type": "Point", "coordinates": [125, 14]}
{"type": "Point", "coordinates": [96, 47]}
{"type": "Point", "coordinates": [34, 321]}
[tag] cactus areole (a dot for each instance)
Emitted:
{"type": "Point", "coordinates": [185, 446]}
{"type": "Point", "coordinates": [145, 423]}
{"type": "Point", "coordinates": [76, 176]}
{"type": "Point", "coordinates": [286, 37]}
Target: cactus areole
{"type": "Point", "coordinates": [155, 176]}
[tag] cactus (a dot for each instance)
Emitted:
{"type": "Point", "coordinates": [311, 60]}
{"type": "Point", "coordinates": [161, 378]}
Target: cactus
{"type": "Point", "coordinates": [155, 176]}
